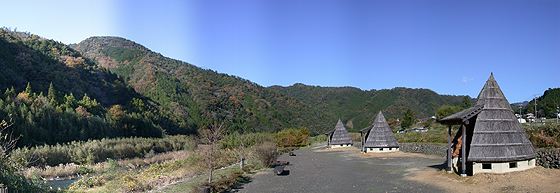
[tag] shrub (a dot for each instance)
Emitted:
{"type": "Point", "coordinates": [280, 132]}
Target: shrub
{"type": "Point", "coordinates": [226, 181]}
{"type": "Point", "coordinates": [250, 139]}
{"type": "Point", "coordinates": [545, 136]}
{"type": "Point", "coordinates": [292, 137]}
{"type": "Point", "coordinates": [266, 154]}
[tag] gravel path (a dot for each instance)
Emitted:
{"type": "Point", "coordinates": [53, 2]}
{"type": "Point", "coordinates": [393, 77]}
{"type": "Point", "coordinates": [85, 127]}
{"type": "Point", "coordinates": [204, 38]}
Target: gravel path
{"type": "Point", "coordinates": [320, 170]}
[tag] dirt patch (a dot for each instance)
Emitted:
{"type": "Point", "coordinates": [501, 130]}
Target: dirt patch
{"type": "Point", "coordinates": [393, 154]}
{"type": "Point", "coordinates": [537, 179]}
{"type": "Point", "coordinates": [338, 149]}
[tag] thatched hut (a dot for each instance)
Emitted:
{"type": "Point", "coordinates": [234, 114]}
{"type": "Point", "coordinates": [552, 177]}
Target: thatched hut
{"type": "Point", "coordinates": [490, 140]}
{"type": "Point", "coordinates": [380, 137]}
{"type": "Point", "coordinates": [338, 137]}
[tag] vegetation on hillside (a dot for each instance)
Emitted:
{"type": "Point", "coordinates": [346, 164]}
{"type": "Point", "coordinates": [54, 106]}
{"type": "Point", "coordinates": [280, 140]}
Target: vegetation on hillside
{"type": "Point", "coordinates": [198, 97]}
{"type": "Point", "coordinates": [546, 104]}
{"type": "Point", "coordinates": [357, 108]}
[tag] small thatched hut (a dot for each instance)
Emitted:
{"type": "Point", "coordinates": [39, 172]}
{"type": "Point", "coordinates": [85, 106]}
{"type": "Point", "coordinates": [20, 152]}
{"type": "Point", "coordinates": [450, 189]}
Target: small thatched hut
{"type": "Point", "coordinates": [491, 139]}
{"type": "Point", "coordinates": [338, 137]}
{"type": "Point", "coordinates": [380, 137]}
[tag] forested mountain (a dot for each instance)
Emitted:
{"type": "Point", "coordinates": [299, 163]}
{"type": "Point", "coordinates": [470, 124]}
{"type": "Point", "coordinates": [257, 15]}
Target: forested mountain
{"type": "Point", "coordinates": [54, 94]}
{"type": "Point", "coordinates": [546, 104]}
{"type": "Point", "coordinates": [195, 97]}
{"type": "Point", "coordinates": [113, 87]}
{"type": "Point", "coordinates": [357, 108]}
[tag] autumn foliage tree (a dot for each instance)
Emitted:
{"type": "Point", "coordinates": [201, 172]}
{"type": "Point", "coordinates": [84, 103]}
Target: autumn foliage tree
{"type": "Point", "coordinates": [292, 137]}
{"type": "Point", "coordinates": [211, 136]}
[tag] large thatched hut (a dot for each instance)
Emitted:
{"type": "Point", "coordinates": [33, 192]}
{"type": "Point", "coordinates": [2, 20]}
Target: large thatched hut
{"type": "Point", "coordinates": [338, 137]}
{"type": "Point", "coordinates": [490, 140]}
{"type": "Point", "coordinates": [380, 137]}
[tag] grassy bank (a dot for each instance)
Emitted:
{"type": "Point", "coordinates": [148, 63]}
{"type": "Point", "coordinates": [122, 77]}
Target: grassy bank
{"type": "Point", "coordinates": [150, 163]}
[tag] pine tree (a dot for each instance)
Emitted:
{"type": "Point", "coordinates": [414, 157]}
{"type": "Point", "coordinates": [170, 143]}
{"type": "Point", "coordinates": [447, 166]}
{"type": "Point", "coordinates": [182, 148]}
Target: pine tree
{"type": "Point", "coordinates": [408, 119]}
{"type": "Point", "coordinates": [466, 102]}
{"type": "Point", "coordinates": [52, 95]}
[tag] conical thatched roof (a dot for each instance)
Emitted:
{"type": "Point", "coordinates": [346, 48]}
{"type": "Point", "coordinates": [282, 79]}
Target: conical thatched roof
{"type": "Point", "coordinates": [340, 135]}
{"type": "Point", "coordinates": [380, 135]}
{"type": "Point", "coordinates": [497, 135]}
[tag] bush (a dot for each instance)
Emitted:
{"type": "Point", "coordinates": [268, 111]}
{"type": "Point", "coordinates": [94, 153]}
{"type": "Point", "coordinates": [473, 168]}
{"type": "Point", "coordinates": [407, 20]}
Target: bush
{"type": "Point", "coordinates": [233, 141]}
{"type": "Point", "coordinates": [292, 137]}
{"type": "Point", "coordinates": [436, 135]}
{"type": "Point", "coordinates": [266, 154]}
{"type": "Point", "coordinates": [545, 136]}
{"type": "Point", "coordinates": [226, 181]}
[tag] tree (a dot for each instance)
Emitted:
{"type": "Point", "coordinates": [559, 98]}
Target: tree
{"type": "Point", "coordinates": [211, 136]}
{"type": "Point", "coordinates": [466, 102]}
{"type": "Point", "coordinates": [242, 146]}
{"type": "Point", "coordinates": [53, 96]}
{"type": "Point", "coordinates": [11, 176]}
{"type": "Point", "coordinates": [70, 102]}
{"type": "Point", "coordinates": [7, 140]}
{"type": "Point", "coordinates": [446, 110]}
{"type": "Point", "coordinates": [408, 119]}
{"type": "Point", "coordinates": [28, 89]}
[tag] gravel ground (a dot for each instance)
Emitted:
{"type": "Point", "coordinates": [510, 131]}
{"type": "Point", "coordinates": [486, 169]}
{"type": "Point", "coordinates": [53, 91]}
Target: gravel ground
{"type": "Point", "coordinates": [345, 170]}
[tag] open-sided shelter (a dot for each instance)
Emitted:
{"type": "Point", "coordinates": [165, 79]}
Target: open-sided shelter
{"type": "Point", "coordinates": [338, 137]}
{"type": "Point", "coordinates": [364, 133]}
{"type": "Point", "coordinates": [491, 138]}
{"type": "Point", "coordinates": [380, 137]}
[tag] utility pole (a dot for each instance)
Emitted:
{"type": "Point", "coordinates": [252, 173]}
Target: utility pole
{"type": "Point", "coordinates": [535, 98]}
{"type": "Point", "coordinates": [557, 114]}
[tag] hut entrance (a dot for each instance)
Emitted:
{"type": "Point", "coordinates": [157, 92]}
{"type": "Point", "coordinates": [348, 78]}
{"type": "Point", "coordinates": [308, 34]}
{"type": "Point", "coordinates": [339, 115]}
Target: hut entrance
{"type": "Point", "coordinates": [457, 144]}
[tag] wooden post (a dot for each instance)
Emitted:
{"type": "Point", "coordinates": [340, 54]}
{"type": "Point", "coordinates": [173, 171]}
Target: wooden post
{"type": "Point", "coordinates": [362, 138]}
{"type": "Point", "coordinates": [328, 141]}
{"type": "Point", "coordinates": [464, 151]}
{"type": "Point", "coordinates": [449, 155]}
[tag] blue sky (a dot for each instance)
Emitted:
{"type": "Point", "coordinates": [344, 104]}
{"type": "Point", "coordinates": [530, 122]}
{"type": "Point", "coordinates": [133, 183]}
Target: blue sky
{"type": "Point", "coordinates": [450, 47]}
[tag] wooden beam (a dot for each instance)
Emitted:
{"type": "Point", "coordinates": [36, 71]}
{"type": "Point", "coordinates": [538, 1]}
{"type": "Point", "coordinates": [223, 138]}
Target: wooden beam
{"type": "Point", "coordinates": [449, 155]}
{"type": "Point", "coordinates": [362, 137]}
{"type": "Point", "coordinates": [464, 151]}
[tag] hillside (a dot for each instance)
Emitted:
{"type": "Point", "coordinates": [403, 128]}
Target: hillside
{"type": "Point", "coordinates": [196, 97]}
{"type": "Point", "coordinates": [360, 107]}
{"type": "Point", "coordinates": [113, 87]}
{"type": "Point", "coordinates": [546, 104]}
{"type": "Point", "coordinates": [53, 94]}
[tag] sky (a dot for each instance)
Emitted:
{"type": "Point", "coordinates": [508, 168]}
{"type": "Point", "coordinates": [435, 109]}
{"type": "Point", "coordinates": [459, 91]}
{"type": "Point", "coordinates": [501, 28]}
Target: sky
{"type": "Point", "coordinates": [447, 46]}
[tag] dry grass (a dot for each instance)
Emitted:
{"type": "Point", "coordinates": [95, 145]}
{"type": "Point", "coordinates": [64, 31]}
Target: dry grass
{"type": "Point", "coordinates": [537, 179]}
{"type": "Point", "coordinates": [339, 149]}
{"type": "Point", "coordinates": [385, 155]}
{"type": "Point", "coordinates": [137, 175]}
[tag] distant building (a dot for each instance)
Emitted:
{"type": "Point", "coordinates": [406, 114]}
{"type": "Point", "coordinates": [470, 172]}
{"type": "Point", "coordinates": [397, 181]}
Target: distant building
{"type": "Point", "coordinates": [338, 137]}
{"type": "Point", "coordinates": [381, 137]}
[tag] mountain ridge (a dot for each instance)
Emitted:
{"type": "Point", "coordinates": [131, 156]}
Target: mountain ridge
{"type": "Point", "coordinates": [114, 87]}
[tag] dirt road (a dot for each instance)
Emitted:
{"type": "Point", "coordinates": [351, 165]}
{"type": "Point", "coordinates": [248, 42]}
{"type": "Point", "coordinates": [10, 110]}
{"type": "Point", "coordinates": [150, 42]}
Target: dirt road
{"type": "Point", "coordinates": [345, 170]}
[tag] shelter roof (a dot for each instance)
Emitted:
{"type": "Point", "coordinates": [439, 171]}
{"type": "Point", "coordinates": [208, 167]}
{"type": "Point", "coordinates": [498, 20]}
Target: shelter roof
{"type": "Point", "coordinates": [380, 135]}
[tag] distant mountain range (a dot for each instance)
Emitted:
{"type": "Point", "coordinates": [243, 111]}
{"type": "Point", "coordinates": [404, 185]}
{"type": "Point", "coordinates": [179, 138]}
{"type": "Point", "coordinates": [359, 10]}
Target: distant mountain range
{"type": "Point", "coordinates": [63, 91]}
{"type": "Point", "coordinates": [358, 108]}
{"type": "Point", "coordinates": [521, 104]}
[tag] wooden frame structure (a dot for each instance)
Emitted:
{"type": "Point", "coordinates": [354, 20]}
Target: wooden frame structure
{"type": "Point", "coordinates": [490, 135]}
{"type": "Point", "coordinates": [381, 138]}
{"type": "Point", "coordinates": [339, 136]}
